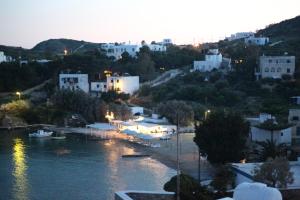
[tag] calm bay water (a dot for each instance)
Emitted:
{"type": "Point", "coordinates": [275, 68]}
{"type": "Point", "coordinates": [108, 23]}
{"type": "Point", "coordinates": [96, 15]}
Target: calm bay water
{"type": "Point", "coordinates": [32, 168]}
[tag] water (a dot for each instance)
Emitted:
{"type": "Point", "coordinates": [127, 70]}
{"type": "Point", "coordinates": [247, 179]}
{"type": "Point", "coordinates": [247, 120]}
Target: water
{"type": "Point", "coordinates": [32, 168]}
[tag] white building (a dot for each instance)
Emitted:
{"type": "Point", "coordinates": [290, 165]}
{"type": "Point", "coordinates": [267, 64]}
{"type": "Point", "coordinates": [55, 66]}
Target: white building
{"type": "Point", "coordinates": [116, 50]}
{"type": "Point", "coordinates": [137, 110]}
{"type": "Point", "coordinates": [275, 66]}
{"type": "Point", "coordinates": [74, 82]}
{"type": "Point", "coordinates": [245, 171]}
{"type": "Point", "coordinates": [279, 136]}
{"type": "Point", "coordinates": [157, 47]}
{"type": "Point", "coordinates": [166, 41]}
{"type": "Point", "coordinates": [213, 60]}
{"type": "Point", "coordinates": [240, 35]}
{"type": "Point", "coordinates": [125, 84]}
{"type": "Point", "coordinates": [258, 134]}
{"type": "Point", "coordinates": [2, 57]}
{"type": "Point", "coordinates": [260, 41]}
{"type": "Point", "coordinates": [294, 119]}
{"type": "Point", "coordinates": [98, 87]}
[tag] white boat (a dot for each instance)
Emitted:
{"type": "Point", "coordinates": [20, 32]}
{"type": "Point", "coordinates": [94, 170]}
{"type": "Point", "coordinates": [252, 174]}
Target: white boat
{"type": "Point", "coordinates": [40, 133]}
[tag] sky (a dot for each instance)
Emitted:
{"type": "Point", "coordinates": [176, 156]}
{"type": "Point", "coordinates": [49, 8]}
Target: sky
{"type": "Point", "coordinates": [28, 22]}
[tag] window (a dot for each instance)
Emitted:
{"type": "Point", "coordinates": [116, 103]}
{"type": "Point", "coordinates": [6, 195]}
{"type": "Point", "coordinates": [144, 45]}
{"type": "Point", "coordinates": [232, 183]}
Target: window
{"type": "Point", "coordinates": [276, 61]}
{"type": "Point", "coordinates": [298, 131]}
{"type": "Point", "coordinates": [266, 69]}
{"type": "Point", "coordinates": [270, 61]}
{"type": "Point", "coordinates": [288, 70]}
{"type": "Point", "coordinates": [278, 69]}
{"type": "Point", "coordinates": [117, 80]}
{"type": "Point", "coordinates": [288, 61]}
{"type": "Point", "coordinates": [272, 69]}
{"type": "Point", "coordinates": [281, 134]}
{"type": "Point", "coordinates": [295, 118]}
{"type": "Point", "coordinates": [133, 49]}
{"type": "Point", "coordinates": [104, 86]}
{"type": "Point", "coordinates": [111, 81]}
{"type": "Point", "coordinates": [97, 85]}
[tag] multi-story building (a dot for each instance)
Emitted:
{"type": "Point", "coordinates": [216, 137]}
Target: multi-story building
{"type": "Point", "coordinates": [260, 41]}
{"type": "Point", "coordinates": [125, 84]}
{"type": "Point", "coordinates": [98, 87]}
{"type": "Point", "coordinates": [212, 61]}
{"type": "Point", "coordinates": [294, 119]}
{"type": "Point", "coordinates": [74, 82]}
{"type": "Point", "coordinates": [275, 66]}
{"type": "Point", "coordinates": [116, 50]}
{"type": "Point", "coordinates": [240, 35]}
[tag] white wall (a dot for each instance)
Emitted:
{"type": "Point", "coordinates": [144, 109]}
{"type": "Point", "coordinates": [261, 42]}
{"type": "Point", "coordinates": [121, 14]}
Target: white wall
{"type": "Point", "coordinates": [280, 136]}
{"type": "Point", "coordinates": [2, 57]}
{"type": "Point", "coordinates": [125, 84]}
{"type": "Point", "coordinates": [98, 86]}
{"type": "Point", "coordinates": [261, 41]}
{"type": "Point", "coordinates": [74, 82]}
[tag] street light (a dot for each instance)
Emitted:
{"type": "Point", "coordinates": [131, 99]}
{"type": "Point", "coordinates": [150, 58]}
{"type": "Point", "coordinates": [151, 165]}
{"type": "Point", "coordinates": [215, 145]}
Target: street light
{"type": "Point", "coordinates": [18, 94]}
{"type": "Point", "coordinates": [206, 114]}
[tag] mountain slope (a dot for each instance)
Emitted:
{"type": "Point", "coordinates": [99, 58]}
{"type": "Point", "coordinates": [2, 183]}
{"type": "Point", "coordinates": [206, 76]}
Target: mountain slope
{"type": "Point", "coordinates": [57, 46]}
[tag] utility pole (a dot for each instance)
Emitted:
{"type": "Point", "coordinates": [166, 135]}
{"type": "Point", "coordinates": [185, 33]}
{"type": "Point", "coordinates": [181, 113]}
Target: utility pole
{"type": "Point", "coordinates": [199, 166]}
{"type": "Point", "coordinates": [178, 169]}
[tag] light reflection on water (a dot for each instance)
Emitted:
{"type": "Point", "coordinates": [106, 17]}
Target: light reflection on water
{"type": "Point", "coordinates": [20, 186]}
{"type": "Point", "coordinates": [73, 169]}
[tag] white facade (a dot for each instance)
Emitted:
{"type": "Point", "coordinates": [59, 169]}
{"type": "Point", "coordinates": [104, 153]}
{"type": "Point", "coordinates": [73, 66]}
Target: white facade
{"type": "Point", "coordinates": [137, 110]}
{"type": "Point", "coordinates": [98, 86]}
{"type": "Point", "coordinates": [125, 84]}
{"type": "Point", "coordinates": [116, 51]}
{"type": "Point", "coordinates": [294, 118]}
{"type": "Point", "coordinates": [157, 47]}
{"type": "Point", "coordinates": [260, 41]}
{"type": "Point", "coordinates": [166, 41]}
{"type": "Point", "coordinates": [275, 66]}
{"type": "Point", "coordinates": [2, 57]}
{"type": "Point", "coordinates": [279, 136]}
{"type": "Point", "coordinates": [213, 60]}
{"type": "Point", "coordinates": [74, 82]}
{"type": "Point", "coordinates": [240, 35]}
{"type": "Point", "coordinates": [245, 171]}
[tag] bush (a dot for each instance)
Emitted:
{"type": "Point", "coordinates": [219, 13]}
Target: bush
{"type": "Point", "coordinates": [189, 188]}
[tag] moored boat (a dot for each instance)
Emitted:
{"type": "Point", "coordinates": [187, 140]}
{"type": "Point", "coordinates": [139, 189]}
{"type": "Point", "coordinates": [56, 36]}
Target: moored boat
{"type": "Point", "coordinates": [41, 133]}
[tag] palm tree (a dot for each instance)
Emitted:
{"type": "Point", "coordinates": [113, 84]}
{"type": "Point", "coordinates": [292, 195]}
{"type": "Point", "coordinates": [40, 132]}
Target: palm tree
{"type": "Point", "coordinates": [270, 149]}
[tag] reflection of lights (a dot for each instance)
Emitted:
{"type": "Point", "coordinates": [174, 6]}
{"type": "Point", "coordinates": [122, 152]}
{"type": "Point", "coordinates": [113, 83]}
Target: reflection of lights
{"type": "Point", "coordinates": [243, 161]}
{"type": "Point", "coordinates": [20, 167]}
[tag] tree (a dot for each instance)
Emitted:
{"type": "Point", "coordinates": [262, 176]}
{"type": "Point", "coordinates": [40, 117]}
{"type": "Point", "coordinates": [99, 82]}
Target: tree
{"type": "Point", "coordinates": [189, 188]}
{"type": "Point", "coordinates": [223, 136]}
{"type": "Point", "coordinates": [173, 109]}
{"type": "Point", "coordinates": [275, 173]}
{"type": "Point", "coordinates": [270, 149]}
{"type": "Point", "coordinates": [121, 112]}
{"type": "Point", "coordinates": [223, 178]}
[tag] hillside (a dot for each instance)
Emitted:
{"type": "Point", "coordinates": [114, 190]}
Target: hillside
{"type": "Point", "coordinates": [57, 46]}
{"type": "Point", "coordinates": [287, 29]}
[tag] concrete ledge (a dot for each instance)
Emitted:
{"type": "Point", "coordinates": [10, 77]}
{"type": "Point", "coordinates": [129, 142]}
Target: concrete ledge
{"type": "Point", "coordinates": [143, 195]}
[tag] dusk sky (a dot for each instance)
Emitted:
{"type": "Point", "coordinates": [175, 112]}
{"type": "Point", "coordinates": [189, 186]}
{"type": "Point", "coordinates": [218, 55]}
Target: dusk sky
{"type": "Point", "coordinates": [27, 22]}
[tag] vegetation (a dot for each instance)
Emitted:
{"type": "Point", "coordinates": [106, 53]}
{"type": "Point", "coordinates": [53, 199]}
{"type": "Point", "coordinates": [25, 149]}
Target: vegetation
{"type": "Point", "coordinates": [223, 137]}
{"type": "Point", "coordinates": [275, 173]}
{"type": "Point", "coordinates": [92, 109]}
{"type": "Point", "coordinates": [224, 179]}
{"type": "Point", "coordinates": [121, 112]}
{"type": "Point", "coordinates": [189, 188]}
{"type": "Point", "coordinates": [272, 150]}
{"type": "Point", "coordinates": [176, 111]}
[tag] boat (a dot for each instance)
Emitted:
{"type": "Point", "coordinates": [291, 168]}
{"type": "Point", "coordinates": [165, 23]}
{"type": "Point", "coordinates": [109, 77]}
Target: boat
{"type": "Point", "coordinates": [41, 133]}
{"type": "Point", "coordinates": [62, 137]}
